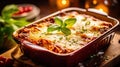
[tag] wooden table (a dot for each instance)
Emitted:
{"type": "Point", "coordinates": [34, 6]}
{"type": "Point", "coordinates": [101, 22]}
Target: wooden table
{"type": "Point", "coordinates": [113, 53]}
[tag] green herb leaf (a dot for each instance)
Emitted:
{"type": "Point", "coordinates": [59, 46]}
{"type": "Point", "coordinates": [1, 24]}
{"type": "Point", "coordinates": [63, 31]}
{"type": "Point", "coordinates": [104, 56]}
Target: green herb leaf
{"type": "Point", "coordinates": [14, 27]}
{"type": "Point", "coordinates": [9, 21]}
{"type": "Point", "coordinates": [1, 20]}
{"type": "Point", "coordinates": [87, 23]}
{"type": "Point", "coordinates": [20, 22]}
{"type": "Point", "coordinates": [70, 21]}
{"type": "Point", "coordinates": [58, 21]}
{"type": "Point", "coordinates": [83, 29]}
{"type": "Point", "coordinates": [8, 24]}
{"type": "Point", "coordinates": [53, 28]}
{"type": "Point", "coordinates": [62, 26]}
{"type": "Point", "coordinates": [66, 31]}
{"type": "Point", "coordinates": [8, 30]}
{"type": "Point", "coordinates": [84, 19]}
{"type": "Point", "coordinates": [8, 11]}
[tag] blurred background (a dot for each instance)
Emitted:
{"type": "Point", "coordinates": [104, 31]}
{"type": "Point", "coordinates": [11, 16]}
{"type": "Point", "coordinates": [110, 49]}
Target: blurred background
{"type": "Point", "coordinates": [42, 8]}
{"type": "Point", "coordinates": [111, 7]}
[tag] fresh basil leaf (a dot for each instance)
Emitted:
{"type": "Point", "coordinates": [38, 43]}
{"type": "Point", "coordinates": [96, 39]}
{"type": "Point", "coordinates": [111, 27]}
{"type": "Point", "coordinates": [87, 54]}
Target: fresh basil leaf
{"type": "Point", "coordinates": [14, 27]}
{"type": "Point", "coordinates": [8, 29]}
{"type": "Point", "coordinates": [9, 21]}
{"type": "Point", "coordinates": [53, 28]}
{"type": "Point", "coordinates": [8, 11]}
{"type": "Point", "coordinates": [66, 31]}
{"type": "Point", "coordinates": [8, 24]}
{"type": "Point", "coordinates": [58, 21]}
{"type": "Point", "coordinates": [64, 25]}
{"type": "Point", "coordinates": [20, 22]}
{"type": "Point", "coordinates": [1, 19]}
{"type": "Point", "coordinates": [70, 21]}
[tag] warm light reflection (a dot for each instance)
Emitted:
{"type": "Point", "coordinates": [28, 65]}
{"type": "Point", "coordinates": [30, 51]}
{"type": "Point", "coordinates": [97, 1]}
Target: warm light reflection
{"type": "Point", "coordinates": [102, 8]}
{"type": "Point", "coordinates": [97, 4]}
{"type": "Point", "coordinates": [63, 4]}
{"type": "Point", "coordinates": [94, 1]}
{"type": "Point", "coordinates": [86, 5]}
{"type": "Point", "coordinates": [90, 3]}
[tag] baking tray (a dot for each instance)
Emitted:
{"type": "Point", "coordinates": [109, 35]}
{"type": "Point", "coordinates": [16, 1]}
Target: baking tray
{"type": "Point", "coordinates": [49, 58]}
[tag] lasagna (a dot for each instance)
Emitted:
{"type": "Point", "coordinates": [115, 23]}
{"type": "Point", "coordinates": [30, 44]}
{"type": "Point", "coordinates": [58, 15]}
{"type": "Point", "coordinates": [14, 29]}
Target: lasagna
{"type": "Point", "coordinates": [85, 29]}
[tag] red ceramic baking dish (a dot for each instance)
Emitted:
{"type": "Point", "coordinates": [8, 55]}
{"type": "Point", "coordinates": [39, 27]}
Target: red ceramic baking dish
{"type": "Point", "coordinates": [64, 58]}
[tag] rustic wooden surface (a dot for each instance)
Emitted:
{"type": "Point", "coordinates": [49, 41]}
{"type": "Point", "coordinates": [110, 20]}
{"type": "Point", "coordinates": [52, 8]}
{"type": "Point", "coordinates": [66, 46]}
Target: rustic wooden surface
{"type": "Point", "coordinates": [113, 53]}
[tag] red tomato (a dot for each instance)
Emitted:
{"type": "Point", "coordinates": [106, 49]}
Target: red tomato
{"type": "Point", "coordinates": [27, 8]}
{"type": "Point", "coordinates": [23, 9]}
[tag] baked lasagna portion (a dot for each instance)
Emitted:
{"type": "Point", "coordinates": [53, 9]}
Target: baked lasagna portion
{"type": "Point", "coordinates": [84, 29]}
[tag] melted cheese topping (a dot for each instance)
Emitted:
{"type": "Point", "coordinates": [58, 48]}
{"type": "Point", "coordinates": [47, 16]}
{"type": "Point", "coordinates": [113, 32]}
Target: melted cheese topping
{"type": "Point", "coordinates": [83, 31]}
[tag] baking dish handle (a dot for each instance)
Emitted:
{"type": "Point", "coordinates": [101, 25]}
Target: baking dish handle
{"type": "Point", "coordinates": [97, 11]}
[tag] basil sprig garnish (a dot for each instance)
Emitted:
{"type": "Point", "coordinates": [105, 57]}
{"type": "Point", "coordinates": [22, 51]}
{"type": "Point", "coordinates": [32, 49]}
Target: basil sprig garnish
{"type": "Point", "coordinates": [62, 25]}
